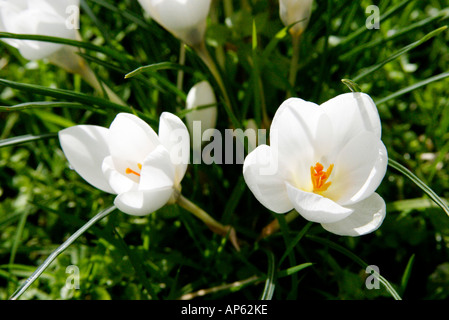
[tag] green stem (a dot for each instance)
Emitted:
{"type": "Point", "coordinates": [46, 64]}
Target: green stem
{"type": "Point", "coordinates": [294, 64]}
{"type": "Point", "coordinates": [58, 251]}
{"type": "Point", "coordinates": [210, 222]}
{"type": "Point", "coordinates": [180, 76]}
{"type": "Point", "coordinates": [204, 54]}
{"type": "Point", "coordinates": [67, 59]}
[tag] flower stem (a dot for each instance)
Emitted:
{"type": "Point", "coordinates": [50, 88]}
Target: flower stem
{"type": "Point", "coordinates": [294, 64]}
{"type": "Point", "coordinates": [204, 54]}
{"type": "Point", "coordinates": [273, 226]}
{"type": "Point", "coordinates": [180, 76]}
{"type": "Point", "coordinates": [210, 222]}
{"type": "Point", "coordinates": [67, 59]}
{"type": "Point", "coordinates": [58, 251]}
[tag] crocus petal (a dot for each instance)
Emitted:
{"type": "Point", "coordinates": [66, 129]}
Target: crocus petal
{"type": "Point", "coordinates": [130, 140]}
{"type": "Point", "coordinates": [315, 207]}
{"type": "Point", "coordinates": [367, 217]}
{"type": "Point", "coordinates": [157, 171]}
{"type": "Point", "coordinates": [186, 19]}
{"type": "Point", "coordinates": [265, 179]}
{"type": "Point", "coordinates": [299, 11]}
{"type": "Point", "coordinates": [353, 167]}
{"type": "Point", "coordinates": [377, 174]}
{"type": "Point", "coordinates": [140, 203]}
{"type": "Point", "coordinates": [175, 137]}
{"type": "Point", "coordinates": [292, 134]}
{"type": "Point", "coordinates": [85, 147]}
{"type": "Point", "coordinates": [353, 113]}
{"type": "Point", "coordinates": [202, 94]}
{"type": "Point", "coordinates": [118, 182]}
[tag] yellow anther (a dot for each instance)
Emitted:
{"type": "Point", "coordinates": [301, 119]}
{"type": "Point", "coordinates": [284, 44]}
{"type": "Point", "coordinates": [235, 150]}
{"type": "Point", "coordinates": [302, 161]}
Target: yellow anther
{"type": "Point", "coordinates": [319, 177]}
{"type": "Point", "coordinates": [131, 171]}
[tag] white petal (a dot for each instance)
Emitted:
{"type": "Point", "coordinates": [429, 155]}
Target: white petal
{"type": "Point", "coordinates": [316, 208]}
{"type": "Point", "coordinates": [377, 174]}
{"type": "Point", "coordinates": [157, 170]}
{"type": "Point", "coordinates": [174, 136]}
{"type": "Point", "coordinates": [352, 168]}
{"type": "Point", "coordinates": [353, 113]}
{"type": "Point", "coordinates": [118, 181]}
{"type": "Point", "coordinates": [367, 217]}
{"type": "Point", "coordinates": [265, 179]}
{"type": "Point", "coordinates": [140, 203]}
{"type": "Point", "coordinates": [85, 147]}
{"type": "Point", "coordinates": [293, 136]}
{"type": "Point", "coordinates": [202, 94]}
{"type": "Point", "coordinates": [130, 141]}
{"type": "Point", "coordinates": [185, 19]}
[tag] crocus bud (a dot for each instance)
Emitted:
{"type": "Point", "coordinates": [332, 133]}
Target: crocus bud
{"type": "Point", "coordinates": [185, 19]}
{"type": "Point", "coordinates": [200, 95]}
{"type": "Point", "coordinates": [295, 11]}
{"type": "Point", "coordinates": [56, 18]}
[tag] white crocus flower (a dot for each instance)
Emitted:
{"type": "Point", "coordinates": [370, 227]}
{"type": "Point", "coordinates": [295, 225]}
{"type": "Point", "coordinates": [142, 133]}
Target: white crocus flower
{"type": "Point", "coordinates": [202, 95]}
{"type": "Point", "coordinates": [325, 161]}
{"type": "Point", "coordinates": [129, 159]}
{"type": "Point", "coordinates": [295, 11]}
{"type": "Point", "coordinates": [185, 19]}
{"type": "Point", "coordinates": [38, 17]}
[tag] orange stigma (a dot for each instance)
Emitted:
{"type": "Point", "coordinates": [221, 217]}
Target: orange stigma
{"type": "Point", "coordinates": [319, 177]}
{"type": "Point", "coordinates": [131, 171]}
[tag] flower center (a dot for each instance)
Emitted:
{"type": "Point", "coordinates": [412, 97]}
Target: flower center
{"type": "Point", "coordinates": [131, 171]}
{"type": "Point", "coordinates": [319, 177]}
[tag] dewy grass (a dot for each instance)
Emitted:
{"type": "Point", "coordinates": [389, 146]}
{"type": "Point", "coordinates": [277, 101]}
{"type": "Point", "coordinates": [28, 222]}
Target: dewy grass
{"type": "Point", "coordinates": [396, 53]}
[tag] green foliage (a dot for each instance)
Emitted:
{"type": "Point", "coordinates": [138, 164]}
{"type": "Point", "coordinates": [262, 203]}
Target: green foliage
{"type": "Point", "coordinates": [170, 254]}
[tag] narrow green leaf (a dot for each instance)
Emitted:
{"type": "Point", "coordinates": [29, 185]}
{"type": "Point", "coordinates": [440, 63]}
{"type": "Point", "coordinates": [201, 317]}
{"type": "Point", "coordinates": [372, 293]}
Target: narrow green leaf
{"type": "Point", "coordinates": [26, 138]}
{"type": "Point", "coordinates": [74, 96]}
{"type": "Point", "coordinates": [293, 270]}
{"type": "Point", "coordinates": [268, 290]}
{"type": "Point", "coordinates": [359, 261]}
{"type": "Point", "coordinates": [396, 165]}
{"type": "Point", "coordinates": [152, 68]}
{"type": "Point", "coordinates": [413, 87]}
{"type": "Point", "coordinates": [60, 250]}
{"type": "Point", "coordinates": [399, 53]}
{"type": "Point", "coordinates": [354, 87]}
{"type": "Point", "coordinates": [118, 55]}
{"type": "Point", "coordinates": [292, 244]}
{"type": "Point", "coordinates": [407, 273]}
{"type": "Point", "coordinates": [442, 16]}
{"type": "Point", "coordinates": [50, 104]}
{"type": "Point", "coordinates": [382, 18]}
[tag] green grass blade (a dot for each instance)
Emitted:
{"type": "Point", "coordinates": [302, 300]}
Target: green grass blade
{"type": "Point", "coordinates": [60, 250]}
{"type": "Point", "coordinates": [74, 96]}
{"type": "Point", "coordinates": [25, 138]}
{"type": "Point", "coordinates": [399, 53]}
{"type": "Point", "coordinates": [359, 261]}
{"type": "Point", "coordinates": [382, 18]}
{"type": "Point", "coordinates": [293, 270]}
{"type": "Point", "coordinates": [292, 244]}
{"type": "Point", "coordinates": [407, 273]}
{"type": "Point", "coordinates": [396, 165]}
{"type": "Point", "coordinates": [413, 87]}
{"type": "Point", "coordinates": [118, 55]}
{"type": "Point", "coordinates": [153, 67]}
{"type": "Point", "coordinates": [50, 104]}
{"type": "Point", "coordinates": [442, 16]}
{"type": "Point", "coordinates": [268, 290]}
